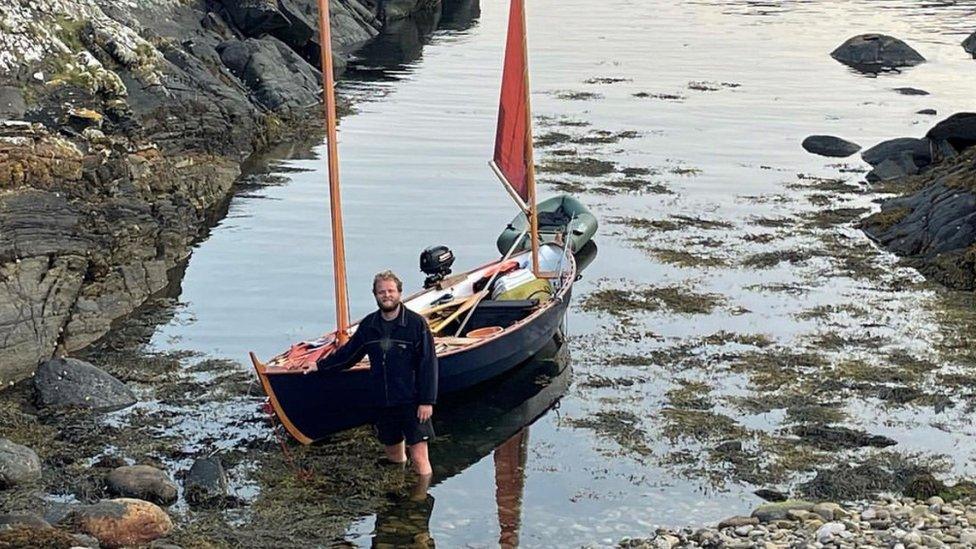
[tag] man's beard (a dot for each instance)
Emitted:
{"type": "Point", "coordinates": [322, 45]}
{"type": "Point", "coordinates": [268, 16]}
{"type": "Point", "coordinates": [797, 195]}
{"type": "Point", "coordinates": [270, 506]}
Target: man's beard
{"type": "Point", "coordinates": [387, 308]}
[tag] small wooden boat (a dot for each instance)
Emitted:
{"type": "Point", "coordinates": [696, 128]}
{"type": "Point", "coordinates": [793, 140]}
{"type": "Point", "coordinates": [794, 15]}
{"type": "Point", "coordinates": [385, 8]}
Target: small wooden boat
{"type": "Point", "coordinates": [559, 217]}
{"type": "Point", "coordinates": [477, 337]}
{"type": "Point", "coordinates": [312, 404]}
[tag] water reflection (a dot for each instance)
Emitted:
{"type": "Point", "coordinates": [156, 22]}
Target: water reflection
{"type": "Point", "coordinates": [494, 420]}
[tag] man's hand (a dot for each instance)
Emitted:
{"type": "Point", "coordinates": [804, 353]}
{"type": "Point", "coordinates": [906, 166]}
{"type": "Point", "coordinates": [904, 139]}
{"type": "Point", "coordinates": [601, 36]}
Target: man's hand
{"type": "Point", "coordinates": [424, 411]}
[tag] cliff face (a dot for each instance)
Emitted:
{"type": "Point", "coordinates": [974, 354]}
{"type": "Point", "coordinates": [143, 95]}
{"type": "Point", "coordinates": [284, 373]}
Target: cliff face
{"type": "Point", "coordinates": [122, 127]}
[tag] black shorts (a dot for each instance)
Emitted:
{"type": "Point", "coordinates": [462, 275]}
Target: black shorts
{"type": "Point", "coordinates": [396, 423]}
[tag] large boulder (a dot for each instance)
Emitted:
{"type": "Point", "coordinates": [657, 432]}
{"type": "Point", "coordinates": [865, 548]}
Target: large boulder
{"type": "Point", "coordinates": [72, 383]}
{"type": "Point", "coordinates": [206, 483]}
{"type": "Point", "coordinates": [954, 134]}
{"type": "Point", "coordinates": [142, 482]}
{"type": "Point", "coordinates": [778, 511]}
{"type": "Point", "coordinates": [122, 522]}
{"type": "Point", "coordinates": [876, 52]}
{"type": "Point", "coordinates": [828, 145]}
{"type": "Point", "coordinates": [18, 464]}
{"type": "Point", "coordinates": [969, 44]}
{"type": "Point", "coordinates": [919, 150]}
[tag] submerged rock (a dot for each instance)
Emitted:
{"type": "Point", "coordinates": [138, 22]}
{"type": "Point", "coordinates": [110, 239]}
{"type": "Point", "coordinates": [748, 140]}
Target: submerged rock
{"type": "Point", "coordinates": [142, 482]}
{"type": "Point", "coordinates": [18, 464]}
{"type": "Point", "coordinates": [828, 145]}
{"type": "Point", "coordinates": [876, 52]}
{"type": "Point", "coordinates": [930, 112]}
{"type": "Point", "coordinates": [969, 44]}
{"type": "Point", "coordinates": [206, 483]}
{"type": "Point", "coordinates": [771, 495]}
{"type": "Point", "coordinates": [68, 382]}
{"type": "Point", "coordinates": [122, 522]}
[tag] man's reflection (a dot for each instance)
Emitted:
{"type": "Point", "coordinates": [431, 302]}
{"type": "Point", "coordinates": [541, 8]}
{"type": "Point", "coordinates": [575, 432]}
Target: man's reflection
{"type": "Point", "coordinates": [406, 521]}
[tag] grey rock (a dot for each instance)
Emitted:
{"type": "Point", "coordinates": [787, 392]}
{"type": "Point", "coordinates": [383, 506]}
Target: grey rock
{"type": "Point", "coordinates": [12, 104]}
{"type": "Point", "coordinates": [736, 521]}
{"type": "Point", "coordinates": [828, 145]}
{"type": "Point", "coordinates": [910, 91]}
{"type": "Point", "coordinates": [72, 383]}
{"type": "Point", "coordinates": [892, 168]}
{"type": "Point", "coordinates": [771, 495]}
{"type": "Point", "coordinates": [205, 484]}
{"type": "Point", "coordinates": [969, 44]}
{"type": "Point", "coordinates": [958, 132]}
{"type": "Point", "coordinates": [918, 149]}
{"type": "Point", "coordinates": [142, 482]}
{"type": "Point", "coordinates": [18, 464]}
{"type": "Point", "coordinates": [876, 52]}
{"type": "Point", "coordinates": [779, 511]}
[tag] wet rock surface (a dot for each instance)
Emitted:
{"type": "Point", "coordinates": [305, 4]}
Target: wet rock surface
{"type": "Point", "coordinates": [18, 464]}
{"type": "Point", "coordinates": [73, 383]}
{"type": "Point", "coordinates": [876, 52]}
{"type": "Point", "coordinates": [828, 145]}
{"type": "Point", "coordinates": [142, 482]}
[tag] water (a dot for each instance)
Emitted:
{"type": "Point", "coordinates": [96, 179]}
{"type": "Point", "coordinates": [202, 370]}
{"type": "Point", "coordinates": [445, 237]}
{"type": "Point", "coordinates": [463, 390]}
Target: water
{"type": "Point", "coordinates": [414, 173]}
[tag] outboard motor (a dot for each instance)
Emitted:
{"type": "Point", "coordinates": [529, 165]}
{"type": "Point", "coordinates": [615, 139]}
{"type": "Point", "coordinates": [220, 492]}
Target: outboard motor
{"type": "Point", "coordinates": [435, 262]}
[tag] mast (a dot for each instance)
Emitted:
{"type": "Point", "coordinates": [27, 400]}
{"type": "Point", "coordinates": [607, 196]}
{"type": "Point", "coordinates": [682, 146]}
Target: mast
{"type": "Point", "coordinates": [530, 160]}
{"type": "Point", "coordinates": [338, 242]}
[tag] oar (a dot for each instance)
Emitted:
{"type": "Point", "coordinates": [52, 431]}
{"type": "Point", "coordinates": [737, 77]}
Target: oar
{"type": "Point", "coordinates": [469, 303]}
{"type": "Point", "coordinates": [480, 295]}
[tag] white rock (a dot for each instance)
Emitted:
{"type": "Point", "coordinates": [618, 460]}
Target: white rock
{"type": "Point", "coordinates": [968, 537]}
{"type": "Point", "coordinates": [826, 533]}
{"type": "Point", "coordinates": [743, 530]}
{"type": "Point", "coordinates": [912, 537]}
{"type": "Point", "coordinates": [39, 76]}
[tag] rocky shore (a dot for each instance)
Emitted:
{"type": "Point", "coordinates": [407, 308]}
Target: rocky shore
{"type": "Point", "coordinates": [900, 523]}
{"type": "Point", "coordinates": [122, 131]}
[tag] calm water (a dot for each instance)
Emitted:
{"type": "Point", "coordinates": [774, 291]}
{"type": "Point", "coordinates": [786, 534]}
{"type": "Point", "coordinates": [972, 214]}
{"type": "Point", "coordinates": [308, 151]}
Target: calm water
{"type": "Point", "coordinates": [414, 173]}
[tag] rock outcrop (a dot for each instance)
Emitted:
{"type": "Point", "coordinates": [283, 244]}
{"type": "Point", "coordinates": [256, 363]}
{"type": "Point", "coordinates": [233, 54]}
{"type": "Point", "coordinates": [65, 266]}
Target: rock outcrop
{"type": "Point", "coordinates": [122, 128]}
{"type": "Point", "coordinates": [934, 227]}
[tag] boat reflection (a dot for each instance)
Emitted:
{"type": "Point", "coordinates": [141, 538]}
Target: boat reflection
{"type": "Point", "coordinates": [494, 418]}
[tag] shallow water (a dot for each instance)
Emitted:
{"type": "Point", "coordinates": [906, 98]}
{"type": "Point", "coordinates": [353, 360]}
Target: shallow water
{"type": "Point", "coordinates": [750, 80]}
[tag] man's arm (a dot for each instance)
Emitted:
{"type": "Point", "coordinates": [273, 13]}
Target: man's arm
{"type": "Point", "coordinates": [427, 368]}
{"type": "Point", "coordinates": [346, 356]}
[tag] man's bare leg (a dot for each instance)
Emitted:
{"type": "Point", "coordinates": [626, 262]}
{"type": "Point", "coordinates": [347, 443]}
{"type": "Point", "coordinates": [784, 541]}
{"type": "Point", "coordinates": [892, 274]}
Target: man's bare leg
{"type": "Point", "coordinates": [421, 463]}
{"type": "Point", "coordinates": [397, 453]}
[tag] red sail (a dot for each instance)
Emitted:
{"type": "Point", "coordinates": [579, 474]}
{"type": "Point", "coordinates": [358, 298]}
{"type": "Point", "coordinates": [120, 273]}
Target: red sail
{"type": "Point", "coordinates": [511, 137]}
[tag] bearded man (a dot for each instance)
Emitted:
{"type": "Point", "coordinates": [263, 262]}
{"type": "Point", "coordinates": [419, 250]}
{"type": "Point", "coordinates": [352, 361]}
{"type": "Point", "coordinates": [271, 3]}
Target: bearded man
{"type": "Point", "coordinates": [403, 370]}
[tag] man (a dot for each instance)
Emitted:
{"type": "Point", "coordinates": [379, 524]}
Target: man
{"type": "Point", "coordinates": [403, 369]}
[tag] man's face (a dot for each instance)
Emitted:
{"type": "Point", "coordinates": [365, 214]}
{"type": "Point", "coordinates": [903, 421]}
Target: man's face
{"type": "Point", "coordinates": [387, 296]}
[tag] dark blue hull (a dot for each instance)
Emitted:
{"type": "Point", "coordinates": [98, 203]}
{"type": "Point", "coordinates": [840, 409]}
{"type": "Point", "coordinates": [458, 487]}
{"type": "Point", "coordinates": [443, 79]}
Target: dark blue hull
{"type": "Point", "coordinates": [315, 405]}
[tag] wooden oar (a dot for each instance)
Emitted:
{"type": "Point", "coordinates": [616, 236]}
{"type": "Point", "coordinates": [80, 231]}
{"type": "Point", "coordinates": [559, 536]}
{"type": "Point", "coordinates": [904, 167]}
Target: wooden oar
{"type": "Point", "coordinates": [468, 303]}
{"type": "Point", "coordinates": [480, 295]}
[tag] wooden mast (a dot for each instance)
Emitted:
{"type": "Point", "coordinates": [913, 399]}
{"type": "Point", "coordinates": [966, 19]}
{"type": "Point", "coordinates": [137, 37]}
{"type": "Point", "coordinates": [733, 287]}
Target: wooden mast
{"type": "Point", "coordinates": [530, 160]}
{"type": "Point", "coordinates": [338, 242]}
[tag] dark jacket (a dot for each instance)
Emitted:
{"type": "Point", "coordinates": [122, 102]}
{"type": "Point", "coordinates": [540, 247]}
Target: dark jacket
{"type": "Point", "coordinates": [403, 369]}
